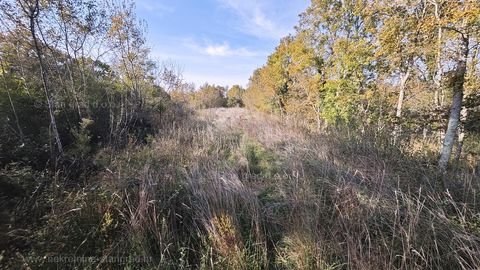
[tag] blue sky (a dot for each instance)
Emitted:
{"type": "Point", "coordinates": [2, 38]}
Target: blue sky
{"type": "Point", "coordinates": [217, 41]}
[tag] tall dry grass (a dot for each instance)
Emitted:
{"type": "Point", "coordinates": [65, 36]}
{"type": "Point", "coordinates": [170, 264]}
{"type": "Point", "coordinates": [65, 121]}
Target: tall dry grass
{"type": "Point", "coordinates": [233, 189]}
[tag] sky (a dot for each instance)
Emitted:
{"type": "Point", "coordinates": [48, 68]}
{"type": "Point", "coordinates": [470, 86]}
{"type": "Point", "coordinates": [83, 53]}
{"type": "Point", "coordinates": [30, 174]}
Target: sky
{"type": "Point", "coordinates": [217, 41]}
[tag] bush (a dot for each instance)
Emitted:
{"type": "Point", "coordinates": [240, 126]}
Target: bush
{"type": "Point", "coordinates": [209, 96]}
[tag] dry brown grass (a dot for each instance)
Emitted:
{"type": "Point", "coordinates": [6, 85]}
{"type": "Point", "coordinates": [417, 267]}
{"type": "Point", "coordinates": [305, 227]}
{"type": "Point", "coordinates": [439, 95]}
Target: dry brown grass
{"type": "Point", "coordinates": [234, 189]}
{"type": "Point", "coordinates": [356, 203]}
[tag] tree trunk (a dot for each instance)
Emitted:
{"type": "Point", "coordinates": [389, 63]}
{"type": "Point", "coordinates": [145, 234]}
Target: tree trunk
{"type": "Point", "coordinates": [401, 97]}
{"type": "Point", "coordinates": [461, 134]}
{"type": "Point", "coordinates": [32, 14]}
{"type": "Point", "coordinates": [456, 107]}
{"type": "Point", "coordinates": [17, 122]}
{"type": "Point", "coordinates": [70, 73]}
{"type": "Point", "coordinates": [439, 96]}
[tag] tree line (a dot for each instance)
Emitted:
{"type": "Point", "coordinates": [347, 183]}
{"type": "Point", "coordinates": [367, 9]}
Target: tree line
{"type": "Point", "coordinates": [208, 96]}
{"type": "Point", "coordinates": [408, 68]}
{"type": "Point", "coordinates": [75, 71]}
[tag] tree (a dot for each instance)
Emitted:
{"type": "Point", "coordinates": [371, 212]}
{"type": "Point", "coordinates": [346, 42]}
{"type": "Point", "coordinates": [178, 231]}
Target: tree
{"type": "Point", "coordinates": [289, 82]}
{"type": "Point", "coordinates": [235, 96]}
{"type": "Point", "coordinates": [439, 95]}
{"type": "Point", "coordinates": [261, 93]}
{"type": "Point", "coordinates": [464, 22]}
{"type": "Point", "coordinates": [5, 85]}
{"type": "Point", "coordinates": [88, 58]}
{"type": "Point", "coordinates": [209, 96]}
{"type": "Point", "coordinates": [342, 35]}
{"type": "Point", "coordinates": [400, 37]}
{"type": "Point", "coordinates": [32, 11]}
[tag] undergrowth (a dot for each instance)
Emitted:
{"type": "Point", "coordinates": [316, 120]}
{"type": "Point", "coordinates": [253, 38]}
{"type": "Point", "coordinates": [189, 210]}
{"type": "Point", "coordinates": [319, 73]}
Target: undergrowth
{"type": "Point", "coordinates": [262, 196]}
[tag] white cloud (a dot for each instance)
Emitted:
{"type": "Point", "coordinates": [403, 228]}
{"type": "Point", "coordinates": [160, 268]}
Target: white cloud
{"type": "Point", "coordinates": [218, 50]}
{"type": "Point", "coordinates": [225, 50]}
{"type": "Point", "coordinates": [263, 22]}
{"type": "Point", "coordinates": [261, 18]}
{"type": "Point", "coordinates": [220, 63]}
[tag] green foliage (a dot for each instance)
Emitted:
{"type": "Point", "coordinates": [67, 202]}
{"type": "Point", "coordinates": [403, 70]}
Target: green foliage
{"type": "Point", "coordinates": [235, 96]}
{"type": "Point", "coordinates": [81, 146]}
{"type": "Point", "coordinates": [312, 80]}
{"type": "Point", "coordinates": [338, 107]}
{"type": "Point", "coordinates": [382, 66]}
{"type": "Point", "coordinates": [261, 161]}
{"type": "Point", "coordinates": [209, 96]}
